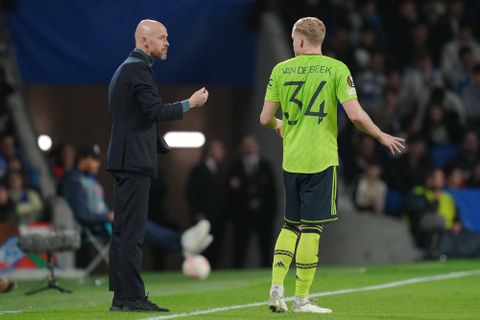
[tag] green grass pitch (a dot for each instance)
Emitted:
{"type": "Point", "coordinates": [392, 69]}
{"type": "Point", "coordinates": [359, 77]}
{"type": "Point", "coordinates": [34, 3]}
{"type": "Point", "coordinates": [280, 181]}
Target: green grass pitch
{"type": "Point", "coordinates": [457, 298]}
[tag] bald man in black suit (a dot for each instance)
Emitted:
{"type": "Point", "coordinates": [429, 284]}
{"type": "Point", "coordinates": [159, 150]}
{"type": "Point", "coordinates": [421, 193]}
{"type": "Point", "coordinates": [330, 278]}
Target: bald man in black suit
{"type": "Point", "coordinates": [136, 109]}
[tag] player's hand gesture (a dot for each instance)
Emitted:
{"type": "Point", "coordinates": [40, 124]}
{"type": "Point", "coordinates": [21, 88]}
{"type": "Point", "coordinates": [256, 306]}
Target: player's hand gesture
{"type": "Point", "coordinates": [395, 144]}
{"type": "Point", "coordinates": [198, 98]}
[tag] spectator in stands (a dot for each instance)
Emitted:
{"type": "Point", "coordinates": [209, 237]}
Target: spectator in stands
{"type": "Point", "coordinates": [455, 178]}
{"type": "Point", "coordinates": [15, 164]}
{"type": "Point", "coordinates": [371, 190]}
{"type": "Point", "coordinates": [6, 90]}
{"type": "Point", "coordinates": [401, 25]}
{"type": "Point", "coordinates": [9, 150]}
{"type": "Point", "coordinates": [468, 155]}
{"type": "Point", "coordinates": [372, 82]}
{"type": "Point", "coordinates": [394, 79]}
{"type": "Point", "coordinates": [439, 25]}
{"type": "Point", "coordinates": [474, 181]}
{"type": "Point", "coordinates": [63, 159]}
{"type": "Point", "coordinates": [440, 127]}
{"type": "Point", "coordinates": [3, 167]}
{"type": "Point", "coordinates": [366, 47]}
{"type": "Point", "coordinates": [450, 54]}
{"type": "Point", "coordinates": [418, 43]}
{"type": "Point", "coordinates": [340, 46]}
{"type": "Point", "coordinates": [85, 196]}
{"type": "Point", "coordinates": [28, 201]}
{"type": "Point", "coordinates": [253, 202]}
{"type": "Point", "coordinates": [365, 152]}
{"type": "Point", "coordinates": [388, 116]}
{"type": "Point", "coordinates": [408, 171]}
{"type": "Point", "coordinates": [417, 86]}
{"type": "Point", "coordinates": [206, 195]}
{"type": "Point", "coordinates": [451, 102]}
{"type": "Point", "coordinates": [471, 97]}
{"type": "Point", "coordinates": [462, 77]}
{"type": "Point", "coordinates": [431, 212]}
{"type": "Point", "coordinates": [8, 212]}
{"type": "Point", "coordinates": [445, 19]}
{"type": "Point", "coordinates": [370, 16]}
{"type": "Point", "coordinates": [84, 193]}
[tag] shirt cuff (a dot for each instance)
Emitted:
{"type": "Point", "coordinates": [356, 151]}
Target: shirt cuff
{"type": "Point", "coordinates": [185, 105]}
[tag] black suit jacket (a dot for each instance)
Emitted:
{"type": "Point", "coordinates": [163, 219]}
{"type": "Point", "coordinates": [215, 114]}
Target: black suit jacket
{"type": "Point", "coordinates": [135, 109]}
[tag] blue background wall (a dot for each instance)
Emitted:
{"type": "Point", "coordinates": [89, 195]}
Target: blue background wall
{"type": "Point", "coordinates": [83, 41]}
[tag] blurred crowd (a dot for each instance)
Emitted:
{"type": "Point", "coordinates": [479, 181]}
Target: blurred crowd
{"type": "Point", "coordinates": [20, 201]}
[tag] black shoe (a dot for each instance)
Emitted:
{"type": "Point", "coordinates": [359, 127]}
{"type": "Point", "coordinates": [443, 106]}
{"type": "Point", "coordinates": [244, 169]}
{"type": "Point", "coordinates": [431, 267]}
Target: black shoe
{"type": "Point", "coordinates": [136, 305]}
{"type": "Point", "coordinates": [116, 304]}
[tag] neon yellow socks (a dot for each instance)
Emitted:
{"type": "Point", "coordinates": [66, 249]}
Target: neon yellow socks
{"type": "Point", "coordinates": [306, 259]}
{"type": "Point", "coordinates": [284, 252]}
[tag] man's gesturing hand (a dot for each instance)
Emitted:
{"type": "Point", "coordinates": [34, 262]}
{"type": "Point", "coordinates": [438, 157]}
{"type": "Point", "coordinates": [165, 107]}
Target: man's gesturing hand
{"type": "Point", "coordinates": [199, 98]}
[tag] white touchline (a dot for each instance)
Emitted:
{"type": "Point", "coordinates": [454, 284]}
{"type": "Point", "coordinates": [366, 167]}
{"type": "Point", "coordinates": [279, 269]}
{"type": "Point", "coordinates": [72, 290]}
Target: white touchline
{"type": "Point", "coordinates": [8, 312]}
{"type": "Point", "coordinates": [445, 276]}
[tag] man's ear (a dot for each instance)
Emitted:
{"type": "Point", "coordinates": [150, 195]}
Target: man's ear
{"type": "Point", "coordinates": [301, 43]}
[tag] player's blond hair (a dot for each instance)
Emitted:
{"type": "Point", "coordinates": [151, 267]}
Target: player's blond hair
{"type": "Point", "coordinates": [312, 29]}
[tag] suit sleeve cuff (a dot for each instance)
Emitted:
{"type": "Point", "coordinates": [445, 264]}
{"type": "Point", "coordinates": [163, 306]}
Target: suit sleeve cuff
{"type": "Point", "coordinates": [185, 105]}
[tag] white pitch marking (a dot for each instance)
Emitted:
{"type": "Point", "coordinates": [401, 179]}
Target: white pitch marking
{"type": "Point", "coordinates": [9, 312]}
{"type": "Point", "coordinates": [439, 277]}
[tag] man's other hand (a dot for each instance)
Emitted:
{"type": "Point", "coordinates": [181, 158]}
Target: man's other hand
{"type": "Point", "coordinates": [198, 98]}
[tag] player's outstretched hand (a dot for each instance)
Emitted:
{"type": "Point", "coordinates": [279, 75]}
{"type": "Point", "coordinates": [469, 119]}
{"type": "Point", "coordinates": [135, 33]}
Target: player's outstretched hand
{"type": "Point", "coordinates": [198, 98]}
{"type": "Point", "coordinates": [395, 144]}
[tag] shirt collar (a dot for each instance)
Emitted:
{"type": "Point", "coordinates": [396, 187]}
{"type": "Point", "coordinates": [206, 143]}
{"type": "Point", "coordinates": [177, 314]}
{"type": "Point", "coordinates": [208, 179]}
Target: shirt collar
{"type": "Point", "coordinates": [145, 56]}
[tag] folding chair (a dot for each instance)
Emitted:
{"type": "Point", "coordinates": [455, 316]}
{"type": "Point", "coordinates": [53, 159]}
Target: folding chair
{"type": "Point", "coordinates": [98, 242]}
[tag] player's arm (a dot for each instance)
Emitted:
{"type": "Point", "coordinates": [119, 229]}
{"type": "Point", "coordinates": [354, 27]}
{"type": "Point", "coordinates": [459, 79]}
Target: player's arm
{"type": "Point", "coordinates": [267, 117]}
{"type": "Point", "coordinates": [363, 122]}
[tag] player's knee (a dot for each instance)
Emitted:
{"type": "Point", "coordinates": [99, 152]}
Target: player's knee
{"type": "Point", "coordinates": [293, 227]}
{"type": "Point", "coordinates": [313, 228]}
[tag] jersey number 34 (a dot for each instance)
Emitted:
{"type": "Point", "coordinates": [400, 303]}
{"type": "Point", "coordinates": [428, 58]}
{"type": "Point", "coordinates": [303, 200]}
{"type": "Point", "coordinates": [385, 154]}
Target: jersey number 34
{"type": "Point", "coordinates": [320, 113]}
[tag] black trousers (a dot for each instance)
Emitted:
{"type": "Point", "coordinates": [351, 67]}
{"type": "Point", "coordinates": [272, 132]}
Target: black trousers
{"type": "Point", "coordinates": [128, 232]}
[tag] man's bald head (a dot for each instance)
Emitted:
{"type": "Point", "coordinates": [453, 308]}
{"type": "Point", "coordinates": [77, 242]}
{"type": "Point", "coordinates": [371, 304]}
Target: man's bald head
{"type": "Point", "coordinates": [145, 28]}
{"type": "Point", "coordinates": [151, 37]}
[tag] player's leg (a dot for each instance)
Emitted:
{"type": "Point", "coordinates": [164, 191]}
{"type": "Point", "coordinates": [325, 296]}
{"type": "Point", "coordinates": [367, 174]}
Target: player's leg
{"type": "Point", "coordinates": [318, 193]}
{"type": "Point", "coordinates": [283, 254]}
{"type": "Point", "coordinates": [285, 244]}
{"type": "Point", "coordinates": [306, 259]}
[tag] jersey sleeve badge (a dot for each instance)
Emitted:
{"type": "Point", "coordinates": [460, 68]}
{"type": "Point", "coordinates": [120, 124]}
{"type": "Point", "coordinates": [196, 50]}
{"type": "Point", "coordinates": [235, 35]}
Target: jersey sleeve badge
{"type": "Point", "coordinates": [351, 84]}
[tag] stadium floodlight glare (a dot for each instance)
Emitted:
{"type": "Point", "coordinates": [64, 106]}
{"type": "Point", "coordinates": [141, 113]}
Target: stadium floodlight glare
{"type": "Point", "coordinates": [185, 139]}
{"type": "Point", "coordinates": [44, 142]}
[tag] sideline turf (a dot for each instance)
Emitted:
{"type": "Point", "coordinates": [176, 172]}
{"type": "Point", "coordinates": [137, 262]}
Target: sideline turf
{"type": "Point", "coordinates": [446, 299]}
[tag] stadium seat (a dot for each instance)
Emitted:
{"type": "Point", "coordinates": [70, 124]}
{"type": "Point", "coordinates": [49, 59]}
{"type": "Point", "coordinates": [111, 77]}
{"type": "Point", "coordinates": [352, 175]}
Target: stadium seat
{"type": "Point", "coordinates": [393, 201]}
{"type": "Point", "coordinates": [469, 208]}
{"type": "Point", "coordinates": [443, 153]}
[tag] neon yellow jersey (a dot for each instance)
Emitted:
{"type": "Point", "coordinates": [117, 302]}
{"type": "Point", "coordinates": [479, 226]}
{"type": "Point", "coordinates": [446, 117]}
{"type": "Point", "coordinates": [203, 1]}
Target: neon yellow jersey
{"type": "Point", "coordinates": [308, 88]}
